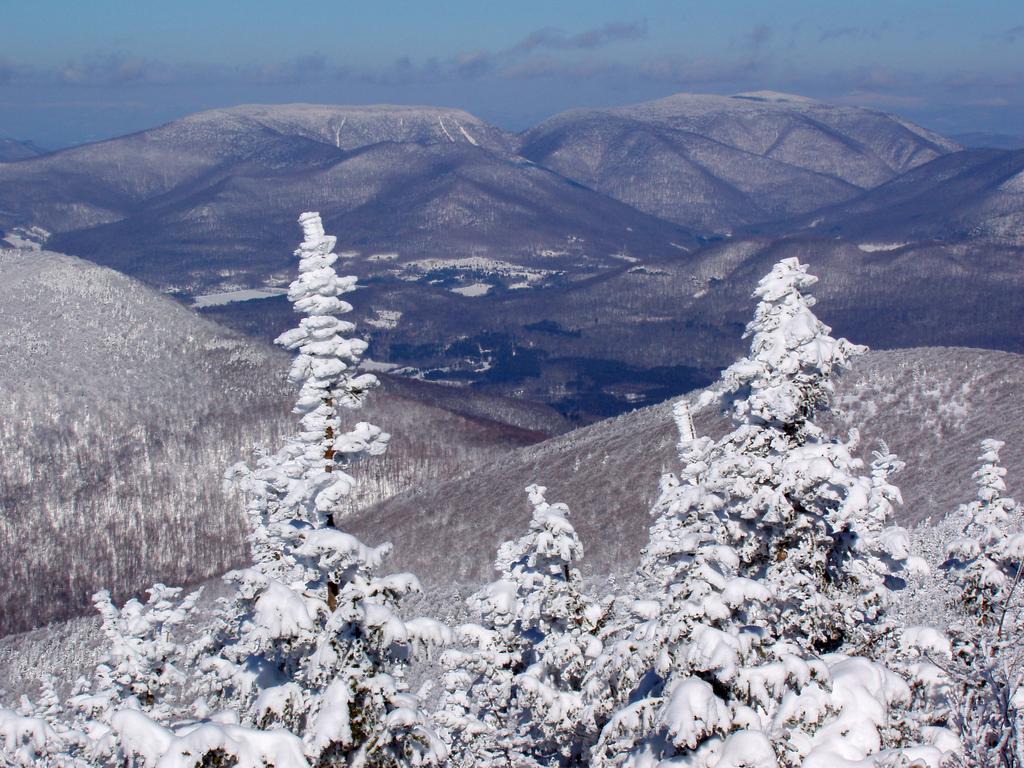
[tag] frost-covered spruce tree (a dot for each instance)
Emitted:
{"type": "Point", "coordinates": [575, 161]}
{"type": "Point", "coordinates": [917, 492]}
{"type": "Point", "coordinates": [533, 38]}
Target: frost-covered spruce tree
{"type": "Point", "coordinates": [662, 690]}
{"type": "Point", "coordinates": [313, 644]}
{"type": "Point", "coordinates": [986, 560]}
{"type": "Point", "coordinates": [768, 558]}
{"type": "Point", "coordinates": [141, 672]}
{"type": "Point", "coordinates": [706, 678]}
{"type": "Point", "coordinates": [513, 696]}
{"type": "Point", "coordinates": [799, 508]}
{"type": "Point", "coordinates": [143, 655]}
{"type": "Point", "coordinates": [984, 670]}
{"type": "Point", "coordinates": [325, 370]}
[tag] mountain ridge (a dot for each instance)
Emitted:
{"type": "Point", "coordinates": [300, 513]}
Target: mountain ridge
{"type": "Point", "coordinates": [760, 147]}
{"type": "Point", "coordinates": [947, 398]}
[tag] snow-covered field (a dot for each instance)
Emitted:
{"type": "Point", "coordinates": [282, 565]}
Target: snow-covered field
{"type": "Point", "coordinates": [473, 289]}
{"type": "Point", "coordinates": [229, 297]}
{"type": "Point", "coordinates": [27, 238]}
{"type": "Point", "coordinates": [880, 247]}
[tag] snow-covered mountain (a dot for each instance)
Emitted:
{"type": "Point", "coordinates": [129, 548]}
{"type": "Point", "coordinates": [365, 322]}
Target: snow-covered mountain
{"type": "Point", "coordinates": [975, 196]}
{"type": "Point", "coordinates": [206, 202]}
{"type": "Point", "coordinates": [12, 149]}
{"type": "Point", "coordinates": [121, 411]}
{"type": "Point", "coordinates": [524, 275]}
{"type": "Point", "coordinates": [714, 163]}
{"type": "Point", "coordinates": [126, 171]}
{"type": "Point", "coordinates": [932, 406]}
{"type": "Point", "coordinates": [346, 127]}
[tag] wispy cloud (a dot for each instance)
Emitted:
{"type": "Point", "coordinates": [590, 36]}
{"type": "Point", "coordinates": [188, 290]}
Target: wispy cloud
{"type": "Point", "coordinates": [683, 72]}
{"type": "Point", "coordinates": [851, 33]}
{"type": "Point", "coordinates": [302, 69]}
{"type": "Point", "coordinates": [984, 80]}
{"type": "Point", "coordinates": [9, 71]}
{"type": "Point", "coordinates": [1012, 35]}
{"type": "Point", "coordinates": [110, 69]}
{"type": "Point", "coordinates": [114, 68]}
{"type": "Point", "coordinates": [557, 39]}
{"type": "Point", "coordinates": [759, 36]}
{"type": "Point", "coordinates": [549, 66]}
{"type": "Point", "coordinates": [520, 60]}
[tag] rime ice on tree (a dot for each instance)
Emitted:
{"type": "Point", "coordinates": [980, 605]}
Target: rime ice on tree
{"type": "Point", "coordinates": [986, 560]}
{"type": "Point", "coordinates": [514, 697]}
{"type": "Point", "coordinates": [325, 372]}
{"type": "Point", "coordinates": [768, 558]}
{"type": "Point", "coordinates": [315, 644]}
{"type": "Point", "coordinates": [788, 374]}
{"type": "Point", "coordinates": [974, 667]}
{"type": "Point", "coordinates": [307, 664]}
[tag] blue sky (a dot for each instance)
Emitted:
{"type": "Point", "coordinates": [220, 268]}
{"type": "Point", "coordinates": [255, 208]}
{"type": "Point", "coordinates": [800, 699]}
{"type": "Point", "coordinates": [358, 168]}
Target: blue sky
{"type": "Point", "coordinates": [86, 70]}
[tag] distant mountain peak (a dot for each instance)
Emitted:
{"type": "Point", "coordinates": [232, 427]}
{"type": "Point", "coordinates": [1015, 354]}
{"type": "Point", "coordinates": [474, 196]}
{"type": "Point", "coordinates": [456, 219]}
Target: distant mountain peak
{"type": "Point", "coordinates": [350, 127]}
{"type": "Point", "coordinates": [731, 161]}
{"type": "Point", "coordinates": [13, 149]}
{"type": "Point", "coordinates": [775, 97]}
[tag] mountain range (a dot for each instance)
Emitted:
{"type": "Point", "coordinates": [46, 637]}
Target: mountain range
{"type": "Point", "coordinates": [208, 202]}
{"type": "Point", "coordinates": [715, 163]}
{"type": "Point", "coordinates": [599, 261]}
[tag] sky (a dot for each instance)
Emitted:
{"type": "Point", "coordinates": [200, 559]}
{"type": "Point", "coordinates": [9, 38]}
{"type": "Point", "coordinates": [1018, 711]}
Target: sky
{"type": "Point", "coordinates": [84, 70]}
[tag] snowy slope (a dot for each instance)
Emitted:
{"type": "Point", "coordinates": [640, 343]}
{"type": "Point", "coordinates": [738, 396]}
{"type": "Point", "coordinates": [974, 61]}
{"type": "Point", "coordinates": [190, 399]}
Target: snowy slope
{"type": "Point", "coordinates": [975, 196]}
{"type": "Point", "coordinates": [121, 410]}
{"type": "Point", "coordinates": [12, 149]}
{"type": "Point", "coordinates": [718, 162]}
{"type": "Point", "coordinates": [931, 405]}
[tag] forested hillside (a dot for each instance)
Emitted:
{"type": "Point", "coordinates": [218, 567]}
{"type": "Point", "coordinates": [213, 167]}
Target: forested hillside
{"type": "Point", "coordinates": [122, 410]}
{"type": "Point", "coordinates": [929, 405]}
{"type": "Point", "coordinates": [778, 617]}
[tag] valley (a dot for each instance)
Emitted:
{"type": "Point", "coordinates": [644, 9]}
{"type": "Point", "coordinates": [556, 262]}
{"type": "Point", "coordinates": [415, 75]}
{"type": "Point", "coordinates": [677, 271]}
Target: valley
{"type": "Point", "coordinates": [629, 332]}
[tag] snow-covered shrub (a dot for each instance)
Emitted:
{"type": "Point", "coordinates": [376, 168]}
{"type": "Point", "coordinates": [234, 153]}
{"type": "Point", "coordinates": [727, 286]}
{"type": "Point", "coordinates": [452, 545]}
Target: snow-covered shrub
{"type": "Point", "coordinates": [969, 663]}
{"type": "Point", "coordinates": [513, 696]}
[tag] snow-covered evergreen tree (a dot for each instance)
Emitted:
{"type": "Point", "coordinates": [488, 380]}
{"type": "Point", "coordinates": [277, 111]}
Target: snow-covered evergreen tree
{"type": "Point", "coordinates": [142, 651]}
{"type": "Point", "coordinates": [314, 643]}
{"type": "Point", "coordinates": [798, 506]}
{"type": "Point", "coordinates": [986, 560]}
{"type": "Point", "coordinates": [978, 674]}
{"type": "Point", "coordinates": [513, 697]}
{"type": "Point", "coordinates": [766, 570]}
{"type": "Point", "coordinates": [141, 672]}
